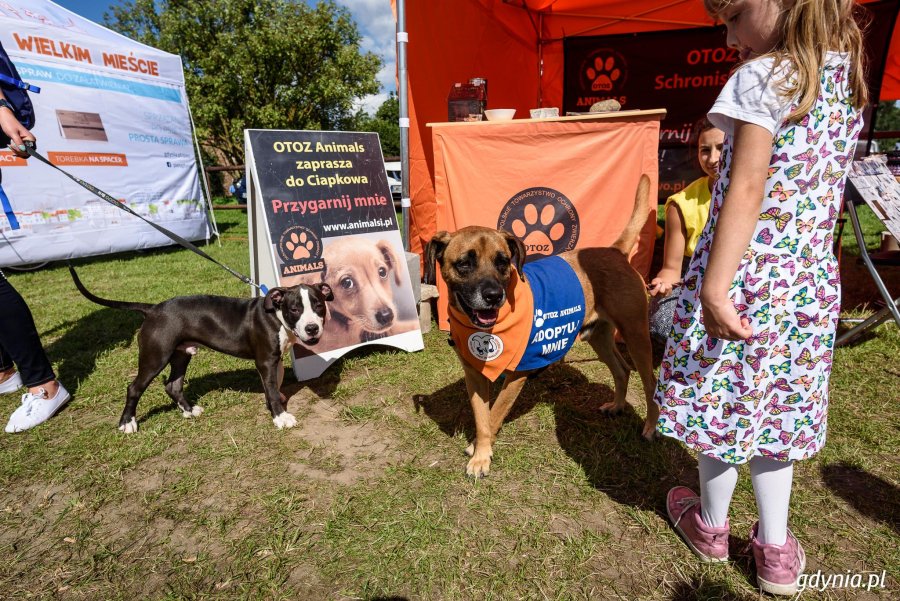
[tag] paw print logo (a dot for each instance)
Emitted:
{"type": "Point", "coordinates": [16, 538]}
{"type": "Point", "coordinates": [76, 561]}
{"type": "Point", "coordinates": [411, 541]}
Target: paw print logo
{"type": "Point", "coordinates": [603, 74]}
{"type": "Point", "coordinates": [543, 219]}
{"type": "Point", "coordinates": [538, 233]}
{"type": "Point", "coordinates": [299, 246]}
{"type": "Point", "coordinates": [538, 318]}
{"type": "Point", "coordinates": [603, 70]}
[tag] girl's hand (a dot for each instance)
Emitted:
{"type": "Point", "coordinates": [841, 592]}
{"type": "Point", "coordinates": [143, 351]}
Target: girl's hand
{"type": "Point", "coordinates": [17, 132]}
{"type": "Point", "coordinates": [721, 320]}
{"type": "Point", "coordinates": [663, 283]}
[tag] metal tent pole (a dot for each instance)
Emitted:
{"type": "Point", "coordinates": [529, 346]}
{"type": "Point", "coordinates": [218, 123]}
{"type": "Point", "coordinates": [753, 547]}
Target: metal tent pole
{"type": "Point", "coordinates": [402, 41]}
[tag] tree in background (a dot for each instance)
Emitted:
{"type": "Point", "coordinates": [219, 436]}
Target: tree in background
{"type": "Point", "coordinates": [267, 64]}
{"type": "Point", "coordinates": [887, 119]}
{"type": "Point", "coordinates": [386, 123]}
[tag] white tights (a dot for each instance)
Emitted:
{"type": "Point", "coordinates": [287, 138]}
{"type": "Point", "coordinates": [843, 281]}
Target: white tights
{"type": "Point", "coordinates": [771, 480]}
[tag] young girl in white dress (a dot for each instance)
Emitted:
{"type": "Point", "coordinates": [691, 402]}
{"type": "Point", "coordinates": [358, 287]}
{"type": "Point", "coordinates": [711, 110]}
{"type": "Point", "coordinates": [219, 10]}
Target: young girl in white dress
{"type": "Point", "coordinates": [744, 378]}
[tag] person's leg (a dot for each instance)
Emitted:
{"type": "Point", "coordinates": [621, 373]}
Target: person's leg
{"type": "Point", "coordinates": [717, 482]}
{"type": "Point", "coordinates": [772, 482]}
{"type": "Point", "coordinates": [19, 339]}
{"type": "Point", "coordinates": [703, 521]}
{"type": "Point", "coordinates": [7, 367]}
{"type": "Point", "coordinates": [779, 557]}
{"type": "Point", "coordinates": [6, 362]}
{"type": "Point", "coordinates": [10, 380]}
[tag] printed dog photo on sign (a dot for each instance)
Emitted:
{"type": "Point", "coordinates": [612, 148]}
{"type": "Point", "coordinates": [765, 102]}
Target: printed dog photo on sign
{"type": "Point", "coordinates": [368, 276]}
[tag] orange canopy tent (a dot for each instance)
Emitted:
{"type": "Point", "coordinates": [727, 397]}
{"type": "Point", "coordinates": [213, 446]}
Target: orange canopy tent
{"type": "Point", "coordinates": [517, 45]}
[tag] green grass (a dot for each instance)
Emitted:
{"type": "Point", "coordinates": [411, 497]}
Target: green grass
{"type": "Point", "coordinates": [367, 497]}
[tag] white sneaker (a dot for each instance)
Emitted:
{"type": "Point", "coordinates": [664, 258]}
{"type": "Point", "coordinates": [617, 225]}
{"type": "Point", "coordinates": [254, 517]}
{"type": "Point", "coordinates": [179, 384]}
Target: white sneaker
{"type": "Point", "coordinates": [36, 409]}
{"type": "Point", "coordinates": [11, 384]}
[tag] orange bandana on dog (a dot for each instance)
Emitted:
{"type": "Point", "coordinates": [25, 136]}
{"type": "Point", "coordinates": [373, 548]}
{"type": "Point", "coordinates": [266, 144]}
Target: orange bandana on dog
{"type": "Point", "coordinates": [535, 327]}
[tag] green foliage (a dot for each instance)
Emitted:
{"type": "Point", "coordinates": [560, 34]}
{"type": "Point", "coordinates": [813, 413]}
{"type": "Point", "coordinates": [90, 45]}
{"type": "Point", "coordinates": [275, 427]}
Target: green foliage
{"type": "Point", "coordinates": [267, 64]}
{"type": "Point", "coordinates": [888, 119]}
{"type": "Point", "coordinates": [386, 124]}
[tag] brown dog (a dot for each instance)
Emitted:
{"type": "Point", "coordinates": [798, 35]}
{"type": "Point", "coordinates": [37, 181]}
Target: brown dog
{"type": "Point", "coordinates": [359, 273]}
{"type": "Point", "coordinates": [476, 264]}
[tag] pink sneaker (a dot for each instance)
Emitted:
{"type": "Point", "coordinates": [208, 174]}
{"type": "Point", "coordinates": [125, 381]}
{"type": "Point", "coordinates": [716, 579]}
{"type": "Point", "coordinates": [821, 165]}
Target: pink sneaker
{"type": "Point", "coordinates": [778, 567]}
{"type": "Point", "coordinates": [708, 543]}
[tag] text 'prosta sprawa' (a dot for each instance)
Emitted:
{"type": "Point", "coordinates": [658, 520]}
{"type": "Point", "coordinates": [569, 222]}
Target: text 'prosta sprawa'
{"type": "Point", "coordinates": [326, 204]}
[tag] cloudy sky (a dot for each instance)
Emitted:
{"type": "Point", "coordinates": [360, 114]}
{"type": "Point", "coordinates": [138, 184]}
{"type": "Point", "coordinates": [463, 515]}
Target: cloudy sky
{"type": "Point", "coordinates": [373, 17]}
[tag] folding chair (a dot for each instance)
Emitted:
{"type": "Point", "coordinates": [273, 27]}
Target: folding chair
{"type": "Point", "coordinates": [852, 198]}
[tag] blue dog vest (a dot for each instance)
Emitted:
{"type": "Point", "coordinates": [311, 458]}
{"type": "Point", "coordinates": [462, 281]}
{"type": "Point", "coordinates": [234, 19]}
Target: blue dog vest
{"type": "Point", "coordinates": [537, 326]}
{"type": "Point", "coordinates": [558, 312]}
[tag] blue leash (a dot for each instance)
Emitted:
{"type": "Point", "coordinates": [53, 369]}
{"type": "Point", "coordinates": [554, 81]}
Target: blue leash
{"type": "Point", "coordinates": [30, 149]}
{"type": "Point", "coordinates": [7, 208]}
{"type": "Point", "coordinates": [19, 84]}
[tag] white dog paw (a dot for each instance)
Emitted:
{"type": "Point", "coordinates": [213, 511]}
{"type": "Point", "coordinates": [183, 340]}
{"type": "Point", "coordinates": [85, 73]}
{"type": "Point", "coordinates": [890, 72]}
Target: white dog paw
{"type": "Point", "coordinates": [285, 420]}
{"type": "Point", "coordinates": [129, 428]}
{"type": "Point", "coordinates": [195, 411]}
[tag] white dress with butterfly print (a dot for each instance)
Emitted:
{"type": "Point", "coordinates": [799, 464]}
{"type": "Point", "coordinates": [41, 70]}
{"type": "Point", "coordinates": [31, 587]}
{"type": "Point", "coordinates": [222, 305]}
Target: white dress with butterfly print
{"type": "Point", "coordinates": [768, 395]}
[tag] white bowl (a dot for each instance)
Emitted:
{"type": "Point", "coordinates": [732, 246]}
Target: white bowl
{"type": "Point", "coordinates": [499, 114]}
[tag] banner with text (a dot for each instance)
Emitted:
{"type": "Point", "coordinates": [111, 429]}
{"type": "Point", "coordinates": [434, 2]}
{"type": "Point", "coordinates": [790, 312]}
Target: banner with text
{"type": "Point", "coordinates": [683, 72]}
{"type": "Point", "coordinates": [323, 201]}
{"type": "Point", "coordinates": [112, 112]}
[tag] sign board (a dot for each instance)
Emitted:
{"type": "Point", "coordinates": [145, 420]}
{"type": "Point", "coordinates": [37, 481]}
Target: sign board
{"type": "Point", "coordinates": [112, 112]}
{"type": "Point", "coordinates": [320, 210]}
{"type": "Point", "coordinates": [683, 72]}
{"type": "Point", "coordinates": [880, 189]}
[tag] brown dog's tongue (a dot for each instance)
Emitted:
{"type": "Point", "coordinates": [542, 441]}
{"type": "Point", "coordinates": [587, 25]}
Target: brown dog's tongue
{"type": "Point", "coordinates": [487, 316]}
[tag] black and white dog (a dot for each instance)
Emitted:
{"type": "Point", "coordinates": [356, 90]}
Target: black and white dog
{"type": "Point", "coordinates": [262, 329]}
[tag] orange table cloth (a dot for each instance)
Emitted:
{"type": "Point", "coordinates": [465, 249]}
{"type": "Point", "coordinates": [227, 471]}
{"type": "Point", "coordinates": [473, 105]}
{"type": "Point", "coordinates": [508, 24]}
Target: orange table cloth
{"type": "Point", "coordinates": [557, 184]}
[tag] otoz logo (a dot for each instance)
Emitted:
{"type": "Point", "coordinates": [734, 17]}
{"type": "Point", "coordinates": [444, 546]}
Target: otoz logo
{"type": "Point", "coordinates": [603, 70]}
{"type": "Point", "coordinates": [543, 219]}
{"type": "Point", "coordinates": [299, 244]}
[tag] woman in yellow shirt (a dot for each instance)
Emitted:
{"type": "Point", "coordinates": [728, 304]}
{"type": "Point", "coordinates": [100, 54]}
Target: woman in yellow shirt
{"type": "Point", "coordinates": [688, 210]}
{"type": "Point", "coordinates": [686, 216]}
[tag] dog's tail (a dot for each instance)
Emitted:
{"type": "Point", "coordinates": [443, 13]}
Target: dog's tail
{"type": "Point", "coordinates": [140, 307]}
{"type": "Point", "coordinates": [638, 217]}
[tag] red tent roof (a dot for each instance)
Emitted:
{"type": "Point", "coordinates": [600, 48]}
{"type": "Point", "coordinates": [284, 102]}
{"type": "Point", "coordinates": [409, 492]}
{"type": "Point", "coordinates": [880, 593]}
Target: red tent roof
{"type": "Point", "coordinates": [517, 45]}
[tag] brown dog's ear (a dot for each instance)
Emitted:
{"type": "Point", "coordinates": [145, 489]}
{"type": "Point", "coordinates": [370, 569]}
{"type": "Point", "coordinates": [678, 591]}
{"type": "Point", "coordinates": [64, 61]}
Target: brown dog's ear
{"type": "Point", "coordinates": [434, 253]}
{"type": "Point", "coordinates": [516, 250]}
{"type": "Point", "coordinates": [325, 289]}
{"type": "Point", "coordinates": [390, 257]}
{"type": "Point", "coordinates": [273, 299]}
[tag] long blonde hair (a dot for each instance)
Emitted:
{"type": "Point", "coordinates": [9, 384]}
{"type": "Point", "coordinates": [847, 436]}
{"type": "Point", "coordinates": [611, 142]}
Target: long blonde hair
{"type": "Point", "coordinates": [811, 28]}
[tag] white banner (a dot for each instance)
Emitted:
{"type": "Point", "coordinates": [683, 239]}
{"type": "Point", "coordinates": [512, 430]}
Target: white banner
{"type": "Point", "coordinates": [112, 112]}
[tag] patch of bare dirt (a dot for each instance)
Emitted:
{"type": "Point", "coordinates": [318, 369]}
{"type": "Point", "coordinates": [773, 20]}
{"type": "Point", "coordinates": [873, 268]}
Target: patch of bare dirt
{"type": "Point", "coordinates": [341, 452]}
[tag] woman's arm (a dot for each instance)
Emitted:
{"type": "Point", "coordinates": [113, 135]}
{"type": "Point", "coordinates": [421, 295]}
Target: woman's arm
{"type": "Point", "coordinates": [17, 132]}
{"type": "Point", "coordinates": [736, 223]}
{"type": "Point", "coordinates": [673, 253]}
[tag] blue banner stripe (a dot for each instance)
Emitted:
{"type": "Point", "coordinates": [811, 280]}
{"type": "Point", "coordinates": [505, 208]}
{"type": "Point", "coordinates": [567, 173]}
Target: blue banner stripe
{"type": "Point", "coordinates": [97, 82]}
